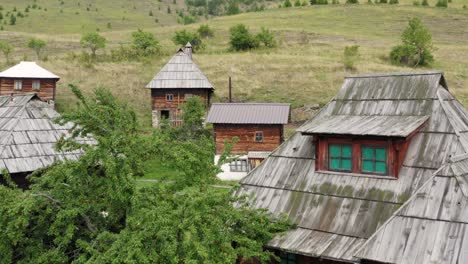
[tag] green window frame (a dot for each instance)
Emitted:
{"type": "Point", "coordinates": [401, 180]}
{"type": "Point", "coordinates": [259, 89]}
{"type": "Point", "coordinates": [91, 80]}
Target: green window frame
{"type": "Point", "coordinates": [340, 157]}
{"type": "Point", "coordinates": [374, 160]}
{"type": "Point", "coordinates": [288, 258]}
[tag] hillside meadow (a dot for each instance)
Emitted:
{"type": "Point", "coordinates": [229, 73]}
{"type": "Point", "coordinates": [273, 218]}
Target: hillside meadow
{"type": "Point", "coordinates": [304, 69]}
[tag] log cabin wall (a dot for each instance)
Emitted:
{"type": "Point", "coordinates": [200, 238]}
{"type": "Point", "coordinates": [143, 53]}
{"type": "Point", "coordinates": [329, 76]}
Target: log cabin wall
{"type": "Point", "coordinates": [46, 91]}
{"type": "Point", "coordinates": [272, 137]}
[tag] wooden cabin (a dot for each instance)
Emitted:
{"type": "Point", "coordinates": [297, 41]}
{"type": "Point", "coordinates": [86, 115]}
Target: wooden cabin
{"type": "Point", "coordinates": [178, 80]}
{"type": "Point", "coordinates": [379, 175]}
{"type": "Point", "coordinates": [28, 136]}
{"type": "Point", "coordinates": [258, 126]}
{"type": "Point", "coordinates": [28, 77]}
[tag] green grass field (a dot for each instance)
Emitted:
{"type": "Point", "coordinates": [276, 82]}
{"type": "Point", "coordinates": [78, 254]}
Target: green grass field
{"type": "Point", "coordinates": [306, 68]}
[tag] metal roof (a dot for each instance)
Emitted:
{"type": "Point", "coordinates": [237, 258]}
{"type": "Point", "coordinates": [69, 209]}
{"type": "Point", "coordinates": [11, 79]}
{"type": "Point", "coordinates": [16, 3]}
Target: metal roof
{"type": "Point", "coordinates": [346, 206]}
{"type": "Point", "coordinates": [27, 69]}
{"type": "Point", "coordinates": [180, 72]}
{"type": "Point", "coordinates": [248, 113]}
{"type": "Point", "coordinates": [389, 126]}
{"type": "Point", "coordinates": [28, 134]}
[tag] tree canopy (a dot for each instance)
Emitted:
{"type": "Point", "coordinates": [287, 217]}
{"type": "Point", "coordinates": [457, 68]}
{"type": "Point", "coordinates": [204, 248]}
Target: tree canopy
{"type": "Point", "coordinates": [37, 45]}
{"type": "Point", "coordinates": [93, 41]}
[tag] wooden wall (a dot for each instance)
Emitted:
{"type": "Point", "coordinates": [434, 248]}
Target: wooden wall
{"type": "Point", "coordinates": [272, 137]}
{"type": "Point", "coordinates": [45, 93]}
{"type": "Point", "coordinates": [158, 97]}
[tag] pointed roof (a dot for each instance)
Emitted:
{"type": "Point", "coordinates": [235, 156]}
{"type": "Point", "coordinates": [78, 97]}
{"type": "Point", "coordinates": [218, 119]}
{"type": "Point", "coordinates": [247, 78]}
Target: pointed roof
{"type": "Point", "coordinates": [180, 72]}
{"type": "Point", "coordinates": [336, 213]}
{"type": "Point", "coordinates": [28, 134]}
{"type": "Point", "coordinates": [27, 69]}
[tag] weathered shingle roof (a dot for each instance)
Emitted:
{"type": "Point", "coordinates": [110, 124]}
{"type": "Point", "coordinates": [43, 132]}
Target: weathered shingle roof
{"type": "Point", "coordinates": [28, 134]}
{"type": "Point", "coordinates": [180, 72]}
{"type": "Point", "coordinates": [248, 113]}
{"type": "Point", "coordinates": [27, 69]}
{"type": "Point", "coordinates": [340, 207]}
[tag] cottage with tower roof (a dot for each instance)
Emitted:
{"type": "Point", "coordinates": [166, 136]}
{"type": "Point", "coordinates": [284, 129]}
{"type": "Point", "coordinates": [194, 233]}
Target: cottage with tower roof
{"type": "Point", "coordinates": [379, 175]}
{"type": "Point", "coordinates": [28, 77]}
{"type": "Point", "coordinates": [178, 80]}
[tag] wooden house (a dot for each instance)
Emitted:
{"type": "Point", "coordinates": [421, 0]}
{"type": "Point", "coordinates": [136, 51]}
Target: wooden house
{"type": "Point", "coordinates": [379, 175]}
{"type": "Point", "coordinates": [258, 126]}
{"type": "Point", "coordinates": [28, 77]}
{"type": "Point", "coordinates": [28, 136]}
{"type": "Point", "coordinates": [178, 80]}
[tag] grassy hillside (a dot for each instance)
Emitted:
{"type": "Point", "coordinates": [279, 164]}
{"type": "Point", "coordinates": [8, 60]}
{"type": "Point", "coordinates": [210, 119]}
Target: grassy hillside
{"type": "Point", "coordinates": [306, 68]}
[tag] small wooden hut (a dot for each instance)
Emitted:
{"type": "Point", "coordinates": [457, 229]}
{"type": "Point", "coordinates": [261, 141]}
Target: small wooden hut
{"type": "Point", "coordinates": [28, 77]}
{"type": "Point", "coordinates": [258, 126]}
{"type": "Point", "coordinates": [377, 176]}
{"type": "Point", "coordinates": [28, 136]}
{"type": "Point", "coordinates": [178, 80]}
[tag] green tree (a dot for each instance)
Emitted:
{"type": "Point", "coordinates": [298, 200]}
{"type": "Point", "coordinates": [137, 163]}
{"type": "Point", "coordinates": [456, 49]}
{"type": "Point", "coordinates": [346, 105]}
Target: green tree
{"type": "Point", "coordinates": [266, 37]}
{"type": "Point", "coordinates": [12, 19]}
{"type": "Point", "coordinates": [205, 31]}
{"type": "Point", "coordinates": [93, 41]}
{"type": "Point", "coordinates": [37, 45]}
{"type": "Point", "coordinates": [144, 43]}
{"type": "Point", "coordinates": [6, 49]}
{"type": "Point", "coordinates": [242, 39]}
{"type": "Point", "coordinates": [232, 8]}
{"type": "Point", "coordinates": [417, 45]}
{"type": "Point", "coordinates": [287, 3]}
{"type": "Point", "coordinates": [183, 36]}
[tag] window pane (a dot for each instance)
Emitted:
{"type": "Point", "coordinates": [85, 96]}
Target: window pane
{"type": "Point", "coordinates": [367, 153]}
{"type": "Point", "coordinates": [334, 164]}
{"type": "Point", "coordinates": [380, 167]}
{"type": "Point", "coordinates": [380, 154]}
{"type": "Point", "coordinates": [335, 150]}
{"type": "Point", "coordinates": [346, 151]}
{"type": "Point", "coordinates": [346, 164]}
{"type": "Point", "coordinates": [368, 166]}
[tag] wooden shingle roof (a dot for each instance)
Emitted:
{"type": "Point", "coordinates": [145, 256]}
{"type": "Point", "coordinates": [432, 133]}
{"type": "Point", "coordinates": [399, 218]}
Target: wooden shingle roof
{"type": "Point", "coordinates": [28, 134]}
{"type": "Point", "coordinates": [180, 72]}
{"type": "Point", "coordinates": [248, 113]}
{"type": "Point", "coordinates": [336, 213]}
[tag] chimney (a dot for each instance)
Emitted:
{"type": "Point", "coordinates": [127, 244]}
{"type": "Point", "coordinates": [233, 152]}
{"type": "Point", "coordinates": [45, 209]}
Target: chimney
{"type": "Point", "coordinates": [188, 49]}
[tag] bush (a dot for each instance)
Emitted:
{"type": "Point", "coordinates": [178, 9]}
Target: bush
{"type": "Point", "coordinates": [144, 43]}
{"type": "Point", "coordinates": [297, 3]}
{"type": "Point", "coordinates": [267, 38]}
{"type": "Point", "coordinates": [335, 2]}
{"type": "Point", "coordinates": [393, 2]}
{"type": "Point", "coordinates": [241, 39]}
{"type": "Point", "coordinates": [350, 56]}
{"type": "Point", "coordinates": [6, 49]}
{"type": "Point", "coordinates": [205, 31]}
{"type": "Point", "coordinates": [287, 3]}
{"type": "Point", "coordinates": [352, 1]}
{"type": "Point", "coordinates": [441, 3]}
{"type": "Point", "coordinates": [416, 3]}
{"type": "Point", "coordinates": [416, 48]}
{"type": "Point", "coordinates": [232, 8]}
{"type": "Point", "coordinates": [183, 36]}
{"type": "Point", "coordinates": [12, 20]}
{"type": "Point", "coordinates": [425, 3]}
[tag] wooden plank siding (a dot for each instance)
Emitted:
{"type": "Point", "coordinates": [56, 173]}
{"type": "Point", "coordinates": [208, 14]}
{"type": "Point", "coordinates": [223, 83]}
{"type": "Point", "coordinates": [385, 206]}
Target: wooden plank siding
{"type": "Point", "coordinates": [272, 137]}
{"type": "Point", "coordinates": [159, 102]}
{"type": "Point", "coordinates": [45, 93]}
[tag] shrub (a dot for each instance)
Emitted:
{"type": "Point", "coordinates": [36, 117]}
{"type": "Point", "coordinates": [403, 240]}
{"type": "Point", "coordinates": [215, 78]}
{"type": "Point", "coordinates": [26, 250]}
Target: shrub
{"type": "Point", "coordinates": [287, 3]}
{"type": "Point", "coordinates": [297, 3]}
{"type": "Point", "coordinates": [37, 45]}
{"type": "Point", "coordinates": [441, 3]}
{"type": "Point", "coordinates": [393, 2]}
{"type": "Point", "coordinates": [383, 1]}
{"type": "Point", "coordinates": [232, 8]}
{"type": "Point", "coordinates": [350, 56]}
{"type": "Point", "coordinates": [93, 41]}
{"type": "Point", "coordinates": [416, 3]}
{"type": "Point", "coordinates": [266, 37]}
{"type": "Point", "coordinates": [205, 31]}
{"type": "Point", "coordinates": [425, 3]}
{"type": "Point", "coordinates": [144, 43]}
{"type": "Point", "coordinates": [335, 2]}
{"type": "Point", "coordinates": [12, 20]}
{"type": "Point", "coordinates": [241, 39]}
{"type": "Point", "coordinates": [417, 45]}
{"type": "Point", "coordinates": [352, 1]}
{"type": "Point", "coordinates": [6, 49]}
{"type": "Point", "coordinates": [183, 36]}
{"type": "Point", "coordinates": [304, 3]}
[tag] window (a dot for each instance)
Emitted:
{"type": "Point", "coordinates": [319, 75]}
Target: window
{"type": "Point", "coordinates": [259, 136]}
{"type": "Point", "coordinates": [239, 166]}
{"type": "Point", "coordinates": [288, 258]}
{"type": "Point", "coordinates": [36, 85]}
{"type": "Point", "coordinates": [374, 159]}
{"type": "Point", "coordinates": [169, 97]}
{"type": "Point", "coordinates": [187, 96]}
{"type": "Point", "coordinates": [18, 85]}
{"type": "Point", "coordinates": [340, 157]}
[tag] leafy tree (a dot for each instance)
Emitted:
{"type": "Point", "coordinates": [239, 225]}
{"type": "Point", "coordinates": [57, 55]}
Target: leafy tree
{"type": "Point", "coordinates": [242, 39]}
{"type": "Point", "coordinates": [287, 3]}
{"type": "Point", "coordinates": [6, 49]}
{"type": "Point", "coordinates": [37, 45]}
{"type": "Point", "coordinates": [205, 31]}
{"type": "Point", "coordinates": [417, 45]}
{"type": "Point", "coordinates": [183, 36]}
{"type": "Point", "coordinates": [93, 41]}
{"type": "Point", "coordinates": [232, 8]}
{"type": "Point", "coordinates": [144, 43]}
{"type": "Point", "coordinates": [350, 55]}
{"type": "Point", "coordinates": [12, 20]}
{"type": "Point", "coordinates": [266, 37]}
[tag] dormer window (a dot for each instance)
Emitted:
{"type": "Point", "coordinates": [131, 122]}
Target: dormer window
{"type": "Point", "coordinates": [340, 157]}
{"type": "Point", "coordinates": [18, 85]}
{"type": "Point", "coordinates": [374, 160]}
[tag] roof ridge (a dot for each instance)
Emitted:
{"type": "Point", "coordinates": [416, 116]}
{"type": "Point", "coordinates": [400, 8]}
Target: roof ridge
{"type": "Point", "coordinates": [250, 103]}
{"type": "Point", "coordinates": [389, 74]}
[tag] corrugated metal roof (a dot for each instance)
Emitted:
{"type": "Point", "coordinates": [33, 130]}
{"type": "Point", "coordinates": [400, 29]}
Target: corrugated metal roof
{"type": "Point", "coordinates": [27, 69]}
{"type": "Point", "coordinates": [248, 113]}
{"type": "Point", "coordinates": [180, 72]}
{"type": "Point", "coordinates": [348, 205]}
{"type": "Point", "coordinates": [28, 134]}
{"type": "Point", "coordinates": [389, 126]}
